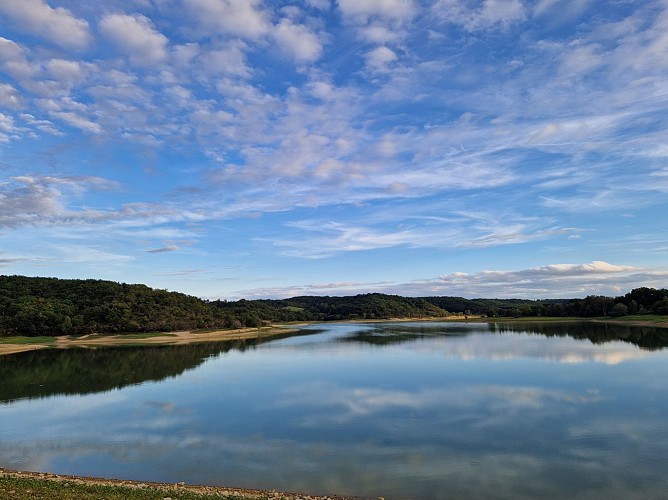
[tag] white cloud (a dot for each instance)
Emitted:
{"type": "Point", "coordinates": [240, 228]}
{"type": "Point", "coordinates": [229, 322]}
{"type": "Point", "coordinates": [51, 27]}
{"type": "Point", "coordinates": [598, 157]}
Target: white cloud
{"type": "Point", "coordinates": [548, 272]}
{"type": "Point", "coordinates": [503, 12]}
{"type": "Point", "coordinates": [78, 121]}
{"type": "Point", "coordinates": [338, 237]}
{"type": "Point", "coordinates": [363, 10]}
{"type": "Point", "coordinates": [83, 254]}
{"type": "Point", "coordinates": [55, 25]}
{"type": "Point", "coordinates": [21, 70]}
{"type": "Point", "coordinates": [228, 59]}
{"type": "Point", "coordinates": [10, 97]}
{"type": "Point", "coordinates": [27, 199]}
{"type": "Point", "coordinates": [7, 127]}
{"type": "Point", "coordinates": [231, 17]}
{"type": "Point", "coordinates": [379, 22]}
{"type": "Point", "coordinates": [552, 122]}
{"type": "Point", "coordinates": [578, 61]}
{"type": "Point", "coordinates": [492, 13]}
{"type": "Point", "coordinates": [136, 36]}
{"type": "Point", "coordinates": [380, 57]}
{"type": "Point", "coordinates": [559, 12]}
{"type": "Point", "coordinates": [376, 32]}
{"type": "Point", "coordinates": [41, 125]}
{"type": "Point", "coordinates": [42, 200]}
{"type": "Point", "coordinates": [408, 228]}
{"type": "Point", "coordinates": [298, 41]}
{"type": "Point", "coordinates": [9, 50]}
{"type": "Point", "coordinates": [65, 70]}
{"type": "Point", "coordinates": [320, 4]}
{"type": "Point", "coordinates": [548, 281]}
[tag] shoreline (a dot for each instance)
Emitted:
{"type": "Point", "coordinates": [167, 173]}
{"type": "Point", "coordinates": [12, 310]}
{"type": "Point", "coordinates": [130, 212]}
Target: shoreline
{"type": "Point", "coordinates": [160, 490]}
{"type": "Point", "coordinates": [183, 337]}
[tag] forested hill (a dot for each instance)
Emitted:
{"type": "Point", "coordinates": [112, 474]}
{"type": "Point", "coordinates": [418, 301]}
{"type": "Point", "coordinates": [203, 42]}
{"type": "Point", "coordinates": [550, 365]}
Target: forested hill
{"type": "Point", "coordinates": [325, 308]}
{"type": "Point", "coordinates": [50, 306]}
{"type": "Point", "coordinates": [638, 301]}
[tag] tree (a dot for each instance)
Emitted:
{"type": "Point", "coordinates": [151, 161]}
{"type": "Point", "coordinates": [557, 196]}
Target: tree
{"type": "Point", "coordinates": [619, 309]}
{"type": "Point", "coordinates": [661, 307]}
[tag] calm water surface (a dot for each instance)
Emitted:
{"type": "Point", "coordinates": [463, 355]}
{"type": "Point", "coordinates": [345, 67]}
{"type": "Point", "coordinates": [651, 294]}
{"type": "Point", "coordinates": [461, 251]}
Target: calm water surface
{"type": "Point", "coordinates": [402, 410]}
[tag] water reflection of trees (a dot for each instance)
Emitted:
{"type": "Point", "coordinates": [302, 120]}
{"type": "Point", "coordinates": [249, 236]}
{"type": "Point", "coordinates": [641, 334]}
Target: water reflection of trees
{"type": "Point", "coordinates": [388, 333]}
{"type": "Point", "coordinates": [43, 373]}
{"type": "Point", "coordinates": [645, 337]}
{"type": "Point", "coordinates": [49, 372]}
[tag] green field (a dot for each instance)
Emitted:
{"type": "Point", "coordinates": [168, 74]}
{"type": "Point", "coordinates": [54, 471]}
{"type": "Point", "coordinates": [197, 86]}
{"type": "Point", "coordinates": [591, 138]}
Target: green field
{"type": "Point", "coordinates": [648, 318]}
{"type": "Point", "coordinates": [146, 335]}
{"type": "Point", "coordinates": [27, 340]}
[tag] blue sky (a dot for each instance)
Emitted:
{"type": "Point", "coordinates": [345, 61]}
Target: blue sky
{"type": "Point", "coordinates": [248, 148]}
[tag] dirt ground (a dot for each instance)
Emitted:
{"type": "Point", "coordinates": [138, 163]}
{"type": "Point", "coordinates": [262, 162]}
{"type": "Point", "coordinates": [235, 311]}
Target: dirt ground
{"type": "Point", "coordinates": [171, 338]}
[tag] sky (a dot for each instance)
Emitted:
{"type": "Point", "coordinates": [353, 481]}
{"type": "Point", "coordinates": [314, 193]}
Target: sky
{"type": "Point", "coordinates": [267, 149]}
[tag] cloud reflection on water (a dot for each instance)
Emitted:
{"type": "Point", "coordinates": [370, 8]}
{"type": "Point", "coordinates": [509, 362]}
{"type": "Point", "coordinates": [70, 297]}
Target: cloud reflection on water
{"type": "Point", "coordinates": [466, 416]}
{"type": "Point", "coordinates": [471, 341]}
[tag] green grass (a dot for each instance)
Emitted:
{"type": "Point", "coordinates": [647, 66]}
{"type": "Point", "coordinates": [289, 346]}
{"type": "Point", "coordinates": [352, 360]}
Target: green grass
{"type": "Point", "coordinates": [211, 330]}
{"type": "Point", "coordinates": [51, 340]}
{"type": "Point", "coordinates": [293, 308]}
{"type": "Point", "coordinates": [33, 488]}
{"type": "Point", "coordinates": [27, 340]}
{"type": "Point", "coordinates": [146, 335]}
{"type": "Point", "coordinates": [650, 318]}
{"type": "Point", "coordinates": [531, 319]}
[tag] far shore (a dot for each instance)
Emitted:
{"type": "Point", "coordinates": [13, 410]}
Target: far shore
{"type": "Point", "coordinates": [13, 345]}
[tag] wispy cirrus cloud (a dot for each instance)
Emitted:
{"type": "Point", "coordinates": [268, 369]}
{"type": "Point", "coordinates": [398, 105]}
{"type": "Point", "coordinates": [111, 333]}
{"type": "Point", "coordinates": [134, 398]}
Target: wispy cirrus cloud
{"type": "Point", "coordinates": [451, 229]}
{"type": "Point", "coordinates": [548, 118]}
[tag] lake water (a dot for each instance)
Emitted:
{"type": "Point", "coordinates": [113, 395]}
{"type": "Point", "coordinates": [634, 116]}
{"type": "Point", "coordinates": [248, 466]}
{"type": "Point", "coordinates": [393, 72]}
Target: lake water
{"type": "Point", "coordinates": [400, 410]}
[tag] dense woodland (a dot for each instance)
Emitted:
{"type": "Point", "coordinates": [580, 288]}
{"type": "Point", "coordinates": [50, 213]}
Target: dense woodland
{"type": "Point", "coordinates": [50, 306]}
{"type": "Point", "coordinates": [638, 301]}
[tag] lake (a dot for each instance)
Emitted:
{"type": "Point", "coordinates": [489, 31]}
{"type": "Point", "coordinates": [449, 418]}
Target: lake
{"type": "Point", "coordinates": [401, 410]}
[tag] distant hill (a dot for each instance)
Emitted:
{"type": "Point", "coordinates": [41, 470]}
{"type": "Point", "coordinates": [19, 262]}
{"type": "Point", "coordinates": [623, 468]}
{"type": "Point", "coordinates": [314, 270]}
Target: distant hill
{"type": "Point", "coordinates": [325, 308]}
{"type": "Point", "coordinates": [638, 301]}
{"type": "Point", "coordinates": [51, 306]}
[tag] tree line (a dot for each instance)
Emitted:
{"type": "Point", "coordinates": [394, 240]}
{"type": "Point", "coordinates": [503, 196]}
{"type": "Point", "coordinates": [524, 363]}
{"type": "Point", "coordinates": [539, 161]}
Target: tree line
{"type": "Point", "coordinates": [638, 301]}
{"type": "Point", "coordinates": [50, 306]}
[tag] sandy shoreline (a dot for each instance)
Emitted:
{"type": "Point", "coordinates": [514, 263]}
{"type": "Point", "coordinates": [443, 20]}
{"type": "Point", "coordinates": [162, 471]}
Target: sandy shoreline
{"type": "Point", "coordinates": [164, 338]}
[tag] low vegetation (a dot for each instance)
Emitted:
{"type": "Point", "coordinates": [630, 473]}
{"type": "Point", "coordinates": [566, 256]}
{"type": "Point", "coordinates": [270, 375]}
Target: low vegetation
{"type": "Point", "coordinates": [27, 486]}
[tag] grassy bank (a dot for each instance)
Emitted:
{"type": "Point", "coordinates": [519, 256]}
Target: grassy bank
{"type": "Point", "coordinates": [659, 320]}
{"type": "Point", "coordinates": [33, 486]}
{"type": "Point", "coordinates": [631, 320]}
